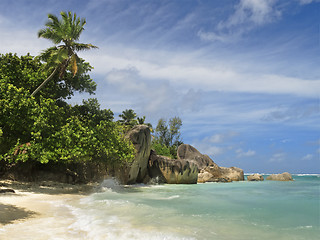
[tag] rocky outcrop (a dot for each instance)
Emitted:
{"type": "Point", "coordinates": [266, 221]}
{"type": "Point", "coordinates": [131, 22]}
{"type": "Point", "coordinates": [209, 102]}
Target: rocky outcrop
{"type": "Point", "coordinates": [233, 173]}
{"type": "Point", "coordinates": [220, 174]}
{"type": "Point", "coordinates": [210, 175]}
{"type": "Point", "coordinates": [280, 177]}
{"type": "Point", "coordinates": [209, 171]}
{"type": "Point", "coordinates": [191, 154]}
{"type": "Point", "coordinates": [255, 177]}
{"type": "Point", "coordinates": [173, 171]}
{"type": "Point", "coordinates": [141, 138]}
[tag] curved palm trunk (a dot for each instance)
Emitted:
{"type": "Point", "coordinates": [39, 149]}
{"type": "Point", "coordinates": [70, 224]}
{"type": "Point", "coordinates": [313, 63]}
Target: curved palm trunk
{"type": "Point", "coordinates": [44, 82]}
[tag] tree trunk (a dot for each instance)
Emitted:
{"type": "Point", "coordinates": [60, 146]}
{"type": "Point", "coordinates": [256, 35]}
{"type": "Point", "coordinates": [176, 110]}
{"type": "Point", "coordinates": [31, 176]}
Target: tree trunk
{"type": "Point", "coordinates": [45, 81]}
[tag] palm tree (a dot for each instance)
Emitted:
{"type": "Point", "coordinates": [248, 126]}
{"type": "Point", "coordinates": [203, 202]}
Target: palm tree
{"type": "Point", "coordinates": [65, 32]}
{"type": "Point", "coordinates": [128, 117]}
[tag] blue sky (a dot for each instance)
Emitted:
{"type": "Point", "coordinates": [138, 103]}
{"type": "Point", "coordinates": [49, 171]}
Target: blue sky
{"type": "Point", "coordinates": [243, 75]}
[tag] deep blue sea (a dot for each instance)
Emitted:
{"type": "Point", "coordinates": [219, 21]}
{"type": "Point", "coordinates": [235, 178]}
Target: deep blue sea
{"type": "Point", "coordinates": [237, 210]}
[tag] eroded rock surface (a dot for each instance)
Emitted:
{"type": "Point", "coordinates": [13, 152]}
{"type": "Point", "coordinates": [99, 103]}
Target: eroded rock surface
{"type": "Point", "coordinates": [141, 138]}
{"type": "Point", "coordinates": [280, 177]}
{"type": "Point", "coordinates": [191, 154]}
{"type": "Point", "coordinates": [209, 171]}
{"type": "Point", "coordinates": [173, 171]}
{"type": "Point", "coordinates": [255, 177]}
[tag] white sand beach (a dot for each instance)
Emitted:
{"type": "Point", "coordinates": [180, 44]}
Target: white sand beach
{"type": "Point", "coordinates": [41, 205]}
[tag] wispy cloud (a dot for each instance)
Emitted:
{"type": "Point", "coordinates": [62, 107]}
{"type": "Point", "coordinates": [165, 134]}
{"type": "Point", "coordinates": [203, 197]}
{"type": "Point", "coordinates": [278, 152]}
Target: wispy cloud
{"type": "Point", "coordinates": [248, 15]}
{"type": "Point", "coordinates": [192, 71]}
{"type": "Point", "coordinates": [307, 157]}
{"type": "Point", "coordinates": [288, 113]}
{"type": "Point", "coordinates": [278, 157]}
{"type": "Point", "coordinates": [216, 144]}
{"type": "Point", "coordinates": [241, 153]}
{"type": "Point", "coordinates": [304, 2]}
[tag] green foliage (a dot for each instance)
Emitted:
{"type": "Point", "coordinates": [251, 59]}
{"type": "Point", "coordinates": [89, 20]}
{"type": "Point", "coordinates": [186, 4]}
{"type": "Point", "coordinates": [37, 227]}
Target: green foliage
{"type": "Point", "coordinates": [47, 130]}
{"type": "Point", "coordinates": [44, 127]}
{"type": "Point", "coordinates": [90, 110]}
{"type": "Point", "coordinates": [79, 141]}
{"type": "Point", "coordinates": [128, 117]}
{"type": "Point", "coordinates": [163, 150]}
{"type": "Point", "coordinates": [28, 72]}
{"type": "Point", "coordinates": [167, 137]}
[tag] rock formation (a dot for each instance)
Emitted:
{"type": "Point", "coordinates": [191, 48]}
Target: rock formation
{"type": "Point", "coordinates": [220, 174]}
{"type": "Point", "coordinates": [141, 138]}
{"type": "Point", "coordinates": [255, 177]}
{"type": "Point", "coordinates": [280, 177]}
{"type": "Point", "coordinates": [174, 171]}
{"type": "Point", "coordinates": [209, 171]}
{"type": "Point", "coordinates": [191, 154]}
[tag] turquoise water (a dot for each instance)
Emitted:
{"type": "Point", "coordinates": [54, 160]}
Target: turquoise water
{"type": "Point", "coordinates": [238, 210]}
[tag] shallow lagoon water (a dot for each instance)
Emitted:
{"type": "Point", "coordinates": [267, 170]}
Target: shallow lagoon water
{"type": "Point", "coordinates": [217, 211]}
{"type": "Point", "coordinates": [238, 210]}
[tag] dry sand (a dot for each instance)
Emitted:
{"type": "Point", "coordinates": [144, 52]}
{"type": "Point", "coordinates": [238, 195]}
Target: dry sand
{"type": "Point", "coordinates": [38, 205]}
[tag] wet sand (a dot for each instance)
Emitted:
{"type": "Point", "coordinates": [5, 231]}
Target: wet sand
{"type": "Point", "coordinates": [34, 204]}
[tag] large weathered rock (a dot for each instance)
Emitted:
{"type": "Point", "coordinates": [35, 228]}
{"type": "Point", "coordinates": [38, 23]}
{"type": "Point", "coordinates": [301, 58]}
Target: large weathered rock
{"type": "Point", "coordinates": [210, 174]}
{"type": "Point", "coordinates": [255, 177]}
{"type": "Point", "coordinates": [280, 177]}
{"type": "Point", "coordinates": [141, 138]}
{"type": "Point", "coordinates": [233, 173]}
{"type": "Point", "coordinates": [209, 171]}
{"type": "Point", "coordinates": [173, 171]}
{"type": "Point", "coordinates": [191, 154]}
{"type": "Point", "coordinates": [220, 174]}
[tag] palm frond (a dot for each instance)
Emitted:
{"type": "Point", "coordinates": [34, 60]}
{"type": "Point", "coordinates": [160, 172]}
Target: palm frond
{"type": "Point", "coordinates": [82, 46]}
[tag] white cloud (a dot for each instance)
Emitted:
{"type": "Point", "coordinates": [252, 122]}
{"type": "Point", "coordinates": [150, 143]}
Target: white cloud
{"type": "Point", "coordinates": [241, 153]}
{"type": "Point", "coordinates": [220, 138]}
{"type": "Point", "coordinates": [278, 157]}
{"type": "Point", "coordinates": [187, 71]}
{"type": "Point", "coordinates": [304, 2]}
{"type": "Point", "coordinates": [307, 157]}
{"type": "Point", "coordinates": [212, 151]}
{"type": "Point", "coordinates": [248, 15]}
{"type": "Point", "coordinates": [257, 12]}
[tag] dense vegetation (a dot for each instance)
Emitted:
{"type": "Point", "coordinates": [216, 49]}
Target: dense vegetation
{"type": "Point", "coordinates": [46, 128]}
{"type": "Point", "coordinates": [38, 125]}
{"type": "Point", "coordinates": [35, 120]}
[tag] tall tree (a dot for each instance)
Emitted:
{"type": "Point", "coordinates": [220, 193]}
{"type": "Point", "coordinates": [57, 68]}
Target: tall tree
{"type": "Point", "coordinates": [168, 137]}
{"type": "Point", "coordinates": [64, 33]}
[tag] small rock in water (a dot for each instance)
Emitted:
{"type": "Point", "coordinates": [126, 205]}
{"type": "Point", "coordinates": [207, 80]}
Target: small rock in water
{"type": "Point", "coordinates": [280, 177]}
{"type": "Point", "coordinates": [255, 177]}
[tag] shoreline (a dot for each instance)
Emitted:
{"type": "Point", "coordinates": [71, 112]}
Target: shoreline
{"type": "Point", "coordinates": [36, 200]}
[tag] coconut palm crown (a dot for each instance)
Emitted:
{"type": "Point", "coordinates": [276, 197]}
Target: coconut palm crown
{"type": "Point", "coordinates": [63, 33]}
